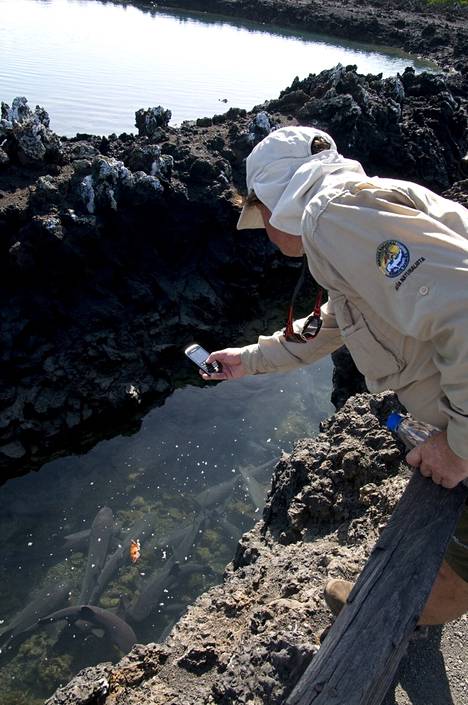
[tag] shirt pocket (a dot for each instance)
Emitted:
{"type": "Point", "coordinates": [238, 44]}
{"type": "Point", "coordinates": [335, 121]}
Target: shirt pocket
{"type": "Point", "coordinates": [371, 356]}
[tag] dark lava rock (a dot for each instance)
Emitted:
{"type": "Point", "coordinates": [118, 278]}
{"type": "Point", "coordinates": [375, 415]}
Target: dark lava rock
{"type": "Point", "coordinates": [149, 122]}
{"type": "Point", "coordinates": [26, 136]}
{"type": "Point", "coordinates": [387, 124]}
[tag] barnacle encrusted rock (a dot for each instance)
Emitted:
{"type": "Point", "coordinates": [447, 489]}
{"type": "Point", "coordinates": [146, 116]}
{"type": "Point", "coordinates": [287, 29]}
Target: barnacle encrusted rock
{"type": "Point", "coordinates": [26, 134]}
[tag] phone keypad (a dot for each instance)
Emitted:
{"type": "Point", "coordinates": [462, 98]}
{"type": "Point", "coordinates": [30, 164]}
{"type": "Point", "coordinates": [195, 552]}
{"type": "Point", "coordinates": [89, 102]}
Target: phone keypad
{"type": "Point", "coordinates": [212, 367]}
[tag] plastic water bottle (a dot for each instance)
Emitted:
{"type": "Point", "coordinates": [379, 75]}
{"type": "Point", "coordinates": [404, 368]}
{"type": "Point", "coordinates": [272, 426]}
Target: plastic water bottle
{"type": "Point", "coordinates": [410, 431]}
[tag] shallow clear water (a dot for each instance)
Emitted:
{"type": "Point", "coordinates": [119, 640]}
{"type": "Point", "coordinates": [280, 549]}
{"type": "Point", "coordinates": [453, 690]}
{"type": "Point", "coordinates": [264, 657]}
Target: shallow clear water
{"type": "Point", "coordinates": [92, 65]}
{"type": "Point", "coordinates": [226, 437]}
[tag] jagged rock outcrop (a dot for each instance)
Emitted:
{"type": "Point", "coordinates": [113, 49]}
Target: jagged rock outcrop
{"type": "Point", "coordinates": [25, 135]}
{"type": "Point", "coordinates": [149, 122]}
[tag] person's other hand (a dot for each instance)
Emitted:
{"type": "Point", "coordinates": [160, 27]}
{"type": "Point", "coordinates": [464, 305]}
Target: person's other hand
{"type": "Point", "coordinates": [230, 358]}
{"type": "Point", "coordinates": [435, 459]}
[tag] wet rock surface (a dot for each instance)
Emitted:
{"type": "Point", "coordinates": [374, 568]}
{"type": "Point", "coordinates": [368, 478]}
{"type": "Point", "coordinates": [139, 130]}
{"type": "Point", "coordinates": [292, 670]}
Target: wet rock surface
{"type": "Point", "coordinates": [250, 639]}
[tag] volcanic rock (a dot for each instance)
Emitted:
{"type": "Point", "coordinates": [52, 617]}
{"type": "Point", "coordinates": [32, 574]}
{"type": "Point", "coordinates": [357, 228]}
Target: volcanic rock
{"type": "Point", "coordinates": [27, 135]}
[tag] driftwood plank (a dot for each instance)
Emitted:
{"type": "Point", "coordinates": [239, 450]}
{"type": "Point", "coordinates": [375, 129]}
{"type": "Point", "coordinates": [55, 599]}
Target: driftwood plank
{"type": "Point", "coordinates": [360, 655]}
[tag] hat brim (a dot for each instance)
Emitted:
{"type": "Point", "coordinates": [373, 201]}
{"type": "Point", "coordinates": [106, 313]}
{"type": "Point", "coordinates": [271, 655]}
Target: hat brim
{"type": "Point", "coordinates": [250, 218]}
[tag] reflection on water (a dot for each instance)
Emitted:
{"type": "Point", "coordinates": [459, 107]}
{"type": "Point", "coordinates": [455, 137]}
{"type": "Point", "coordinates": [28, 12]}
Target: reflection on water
{"type": "Point", "coordinates": [93, 65]}
{"type": "Point", "coordinates": [186, 486]}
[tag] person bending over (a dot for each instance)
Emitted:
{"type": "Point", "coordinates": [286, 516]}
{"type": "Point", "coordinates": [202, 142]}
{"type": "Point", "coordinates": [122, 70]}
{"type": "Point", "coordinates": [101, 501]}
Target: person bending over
{"type": "Point", "coordinates": [393, 257]}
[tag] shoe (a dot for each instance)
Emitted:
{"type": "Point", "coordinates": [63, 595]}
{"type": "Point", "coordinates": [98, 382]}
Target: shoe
{"type": "Point", "coordinates": [336, 594]}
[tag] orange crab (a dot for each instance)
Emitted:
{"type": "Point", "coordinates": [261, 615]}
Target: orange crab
{"type": "Point", "coordinates": [134, 550]}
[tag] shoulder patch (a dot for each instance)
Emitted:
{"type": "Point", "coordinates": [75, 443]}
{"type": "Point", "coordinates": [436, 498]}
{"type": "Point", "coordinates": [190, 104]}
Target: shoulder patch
{"type": "Point", "coordinates": [392, 258]}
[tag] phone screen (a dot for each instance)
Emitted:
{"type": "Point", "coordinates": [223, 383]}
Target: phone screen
{"type": "Point", "coordinates": [198, 355]}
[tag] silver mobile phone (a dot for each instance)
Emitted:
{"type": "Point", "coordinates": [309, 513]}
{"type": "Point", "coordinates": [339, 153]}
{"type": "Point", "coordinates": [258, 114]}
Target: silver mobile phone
{"type": "Point", "coordinates": [198, 355]}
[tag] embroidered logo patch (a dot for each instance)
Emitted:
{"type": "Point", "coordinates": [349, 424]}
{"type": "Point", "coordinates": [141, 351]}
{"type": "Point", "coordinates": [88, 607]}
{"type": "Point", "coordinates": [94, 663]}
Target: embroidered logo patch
{"type": "Point", "coordinates": [392, 258]}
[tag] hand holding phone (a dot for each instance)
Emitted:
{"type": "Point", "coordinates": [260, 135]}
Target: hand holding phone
{"type": "Point", "coordinates": [199, 356]}
{"type": "Point", "coordinates": [228, 361]}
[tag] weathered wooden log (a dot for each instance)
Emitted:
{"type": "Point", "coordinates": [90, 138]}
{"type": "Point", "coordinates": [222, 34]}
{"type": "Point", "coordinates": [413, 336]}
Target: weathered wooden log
{"type": "Point", "coordinates": [359, 658]}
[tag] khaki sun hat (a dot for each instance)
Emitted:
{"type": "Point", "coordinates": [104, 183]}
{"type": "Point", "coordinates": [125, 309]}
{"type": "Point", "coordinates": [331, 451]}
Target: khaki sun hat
{"type": "Point", "coordinates": [275, 160]}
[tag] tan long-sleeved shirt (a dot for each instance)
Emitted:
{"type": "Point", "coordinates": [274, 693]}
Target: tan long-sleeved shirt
{"type": "Point", "coordinates": [394, 259]}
